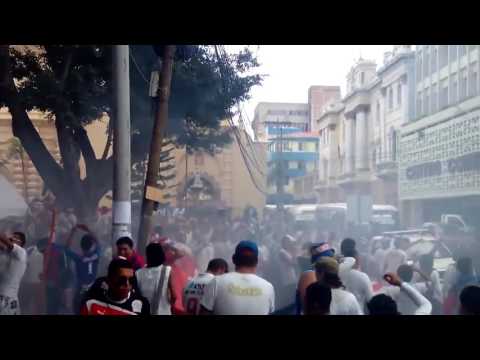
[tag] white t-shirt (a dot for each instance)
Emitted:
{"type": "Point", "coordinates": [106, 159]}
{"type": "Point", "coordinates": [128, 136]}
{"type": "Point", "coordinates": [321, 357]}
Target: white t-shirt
{"type": "Point", "coordinates": [409, 300]}
{"type": "Point", "coordinates": [193, 292]}
{"type": "Point", "coordinates": [34, 266]}
{"type": "Point", "coordinates": [379, 259]}
{"type": "Point", "coordinates": [288, 273]}
{"type": "Point", "coordinates": [359, 284]}
{"type": "Point", "coordinates": [435, 283]}
{"type": "Point", "coordinates": [11, 277]}
{"type": "Point", "coordinates": [239, 294]}
{"type": "Point", "coordinates": [449, 279]}
{"type": "Point", "coordinates": [393, 259]}
{"type": "Point", "coordinates": [148, 279]}
{"type": "Point", "coordinates": [344, 303]}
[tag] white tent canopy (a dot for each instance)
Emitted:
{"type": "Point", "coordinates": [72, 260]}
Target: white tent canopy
{"type": "Point", "coordinates": [11, 203]}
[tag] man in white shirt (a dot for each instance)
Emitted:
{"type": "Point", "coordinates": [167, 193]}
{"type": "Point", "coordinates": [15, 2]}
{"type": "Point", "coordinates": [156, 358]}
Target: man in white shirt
{"type": "Point", "coordinates": [356, 281]}
{"type": "Point", "coordinates": [383, 304]}
{"type": "Point", "coordinates": [241, 292]}
{"type": "Point", "coordinates": [397, 256]}
{"type": "Point", "coordinates": [11, 277]}
{"type": "Point", "coordinates": [343, 302]}
{"type": "Point", "coordinates": [288, 271]}
{"type": "Point", "coordinates": [195, 289]}
{"type": "Point", "coordinates": [427, 281]}
{"type": "Point", "coordinates": [407, 305]}
{"type": "Point", "coordinates": [31, 286]}
{"type": "Point", "coordinates": [382, 246]}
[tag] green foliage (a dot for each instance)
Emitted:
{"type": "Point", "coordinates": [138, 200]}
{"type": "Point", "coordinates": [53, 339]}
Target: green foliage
{"type": "Point", "coordinates": [199, 101]}
{"type": "Point", "coordinates": [73, 82]}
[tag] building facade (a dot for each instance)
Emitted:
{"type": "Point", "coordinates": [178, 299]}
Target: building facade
{"type": "Point", "coordinates": [297, 154]}
{"type": "Point", "coordinates": [223, 180]}
{"type": "Point", "coordinates": [318, 97]}
{"type": "Point", "coordinates": [439, 163]}
{"type": "Point", "coordinates": [358, 152]}
{"type": "Point", "coordinates": [271, 119]}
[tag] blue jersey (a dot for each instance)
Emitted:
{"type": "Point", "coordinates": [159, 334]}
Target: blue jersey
{"type": "Point", "coordinates": [86, 266]}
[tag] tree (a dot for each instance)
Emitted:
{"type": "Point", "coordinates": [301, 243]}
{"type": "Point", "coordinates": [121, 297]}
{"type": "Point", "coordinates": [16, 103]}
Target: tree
{"type": "Point", "coordinates": [72, 84]}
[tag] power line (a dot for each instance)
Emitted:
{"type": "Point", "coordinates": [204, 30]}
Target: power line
{"type": "Point", "coordinates": [254, 152]}
{"type": "Point", "coordinates": [235, 131]}
{"type": "Point", "coordinates": [138, 68]}
{"type": "Point", "coordinates": [255, 162]}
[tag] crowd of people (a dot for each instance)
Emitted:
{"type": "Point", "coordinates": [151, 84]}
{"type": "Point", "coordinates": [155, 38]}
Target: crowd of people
{"type": "Point", "coordinates": [201, 265]}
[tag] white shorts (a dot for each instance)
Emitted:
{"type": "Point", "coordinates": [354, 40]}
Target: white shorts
{"type": "Point", "coordinates": [9, 306]}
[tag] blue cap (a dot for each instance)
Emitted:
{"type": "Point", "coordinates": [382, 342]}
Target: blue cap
{"type": "Point", "coordinates": [320, 250]}
{"type": "Point", "coordinates": [246, 245]}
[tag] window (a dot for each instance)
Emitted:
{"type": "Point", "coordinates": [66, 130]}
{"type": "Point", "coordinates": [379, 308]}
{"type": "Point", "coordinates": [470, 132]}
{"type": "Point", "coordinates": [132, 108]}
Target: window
{"type": "Point", "coordinates": [293, 165]}
{"type": "Point", "coordinates": [434, 59]}
{"type": "Point", "coordinates": [419, 104]}
{"type": "Point", "coordinates": [300, 146]}
{"type": "Point", "coordinates": [473, 79]}
{"type": "Point", "coordinates": [377, 112]}
{"type": "Point", "coordinates": [390, 98]}
{"type": "Point", "coordinates": [393, 143]}
{"type": "Point", "coordinates": [443, 53]}
{"type": "Point", "coordinates": [453, 52]}
{"type": "Point", "coordinates": [462, 50]}
{"type": "Point", "coordinates": [426, 63]}
{"type": "Point", "coordinates": [463, 84]}
{"type": "Point", "coordinates": [454, 89]}
{"type": "Point", "coordinates": [362, 78]}
{"type": "Point", "coordinates": [399, 94]}
{"type": "Point", "coordinates": [301, 165]}
{"type": "Point", "coordinates": [426, 101]}
{"type": "Point", "coordinates": [419, 67]}
{"type": "Point", "coordinates": [444, 94]}
{"type": "Point", "coordinates": [434, 98]}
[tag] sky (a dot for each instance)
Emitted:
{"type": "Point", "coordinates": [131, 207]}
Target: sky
{"type": "Point", "coordinates": [292, 69]}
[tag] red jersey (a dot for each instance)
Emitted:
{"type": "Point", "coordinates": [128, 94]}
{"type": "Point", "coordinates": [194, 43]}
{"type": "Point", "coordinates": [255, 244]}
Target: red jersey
{"type": "Point", "coordinates": [183, 270]}
{"type": "Point", "coordinates": [137, 261]}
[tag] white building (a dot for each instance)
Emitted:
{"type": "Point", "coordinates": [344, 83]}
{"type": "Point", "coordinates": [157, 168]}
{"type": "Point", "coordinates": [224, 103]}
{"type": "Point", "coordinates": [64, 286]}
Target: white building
{"type": "Point", "coordinates": [269, 116]}
{"type": "Point", "coordinates": [358, 135]}
{"type": "Point", "coordinates": [439, 165]}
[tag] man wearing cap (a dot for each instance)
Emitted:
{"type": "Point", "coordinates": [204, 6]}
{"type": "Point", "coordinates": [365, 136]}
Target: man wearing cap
{"type": "Point", "coordinates": [317, 252]}
{"type": "Point", "coordinates": [241, 292]}
{"type": "Point", "coordinates": [343, 302]}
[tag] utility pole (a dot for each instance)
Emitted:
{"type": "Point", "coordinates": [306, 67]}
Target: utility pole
{"type": "Point", "coordinates": [122, 207]}
{"type": "Point", "coordinates": [151, 191]}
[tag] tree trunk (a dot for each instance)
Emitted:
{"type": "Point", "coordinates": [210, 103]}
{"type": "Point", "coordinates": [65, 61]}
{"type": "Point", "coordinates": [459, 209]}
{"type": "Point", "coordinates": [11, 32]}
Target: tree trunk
{"type": "Point", "coordinates": [64, 183]}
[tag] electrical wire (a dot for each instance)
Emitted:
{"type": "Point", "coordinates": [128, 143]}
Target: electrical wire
{"type": "Point", "coordinates": [255, 161]}
{"type": "Point", "coordinates": [234, 129]}
{"type": "Point", "coordinates": [138, 68]}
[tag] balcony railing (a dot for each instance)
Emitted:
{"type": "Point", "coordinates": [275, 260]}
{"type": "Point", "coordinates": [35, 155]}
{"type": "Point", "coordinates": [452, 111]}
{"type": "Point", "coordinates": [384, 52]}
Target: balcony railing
{"type": "Point", "coordinates": [386, 164]}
